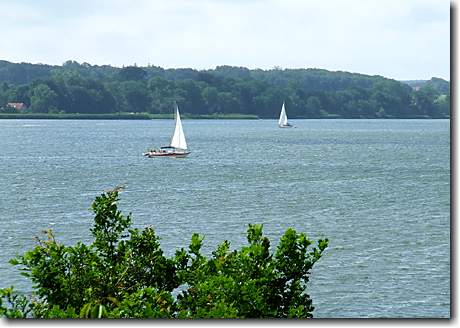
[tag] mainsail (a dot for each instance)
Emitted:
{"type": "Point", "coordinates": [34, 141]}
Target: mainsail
{"type": "Point", "coordinates": [178, 137]}
{"type": "Point", "coordinates": [283, 117]}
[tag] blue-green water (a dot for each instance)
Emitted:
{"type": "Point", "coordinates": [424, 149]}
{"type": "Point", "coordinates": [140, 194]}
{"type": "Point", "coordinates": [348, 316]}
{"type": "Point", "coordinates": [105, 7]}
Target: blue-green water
{"type": "Point", "coordinates": [378, 189]}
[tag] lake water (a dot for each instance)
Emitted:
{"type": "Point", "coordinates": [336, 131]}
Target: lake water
{"type": "Point", "coordinates": [378, 189]}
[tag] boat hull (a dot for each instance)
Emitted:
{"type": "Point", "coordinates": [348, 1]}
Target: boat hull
{"type": "Point", "coordinates": [166, 154]}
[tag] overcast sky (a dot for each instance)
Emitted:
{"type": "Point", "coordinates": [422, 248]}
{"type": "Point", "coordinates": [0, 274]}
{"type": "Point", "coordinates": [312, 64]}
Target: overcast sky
{"type": "Point", "coordinates": [400, 39]}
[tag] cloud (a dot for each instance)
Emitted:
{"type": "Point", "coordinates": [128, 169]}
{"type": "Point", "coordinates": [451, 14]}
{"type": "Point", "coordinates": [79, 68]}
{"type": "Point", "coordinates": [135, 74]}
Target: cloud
{"type": "Point", "coordinates": [395, 38]}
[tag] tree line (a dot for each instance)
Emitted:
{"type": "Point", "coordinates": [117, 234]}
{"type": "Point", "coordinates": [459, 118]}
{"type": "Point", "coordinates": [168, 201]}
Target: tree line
{"type": "Point", "coordinates": [308, 93]}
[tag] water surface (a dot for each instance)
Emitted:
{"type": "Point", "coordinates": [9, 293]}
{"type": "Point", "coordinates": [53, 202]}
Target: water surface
{"type": "Point", "coordinates": [378, 189]}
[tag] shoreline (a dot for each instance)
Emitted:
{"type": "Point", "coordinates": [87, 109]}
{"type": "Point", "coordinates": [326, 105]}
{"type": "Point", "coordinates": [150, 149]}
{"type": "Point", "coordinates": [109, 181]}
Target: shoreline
{"type": "Point", "coordinates": [124, 116]}
{"type": "Point", "coordinates": [147, 116]}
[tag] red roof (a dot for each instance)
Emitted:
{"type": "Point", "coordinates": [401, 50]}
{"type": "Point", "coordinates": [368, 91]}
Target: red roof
{"type": "Point", "coordinates": [17, 105]}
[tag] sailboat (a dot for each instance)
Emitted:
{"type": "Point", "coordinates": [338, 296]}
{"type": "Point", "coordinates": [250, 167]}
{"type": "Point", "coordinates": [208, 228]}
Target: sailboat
{"type": "Point", "coordinates": [178, 145]}
{"type": "Point", "coordinates": [283, 122]}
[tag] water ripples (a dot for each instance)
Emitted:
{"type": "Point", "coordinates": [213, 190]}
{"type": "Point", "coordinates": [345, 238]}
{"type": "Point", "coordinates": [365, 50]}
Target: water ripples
{"type": "Point", "coordinates": [378, 189]}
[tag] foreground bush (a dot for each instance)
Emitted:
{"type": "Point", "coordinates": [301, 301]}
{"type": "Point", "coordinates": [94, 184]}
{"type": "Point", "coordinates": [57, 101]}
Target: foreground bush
{"type": "Point", "coordinates": [124, 274]}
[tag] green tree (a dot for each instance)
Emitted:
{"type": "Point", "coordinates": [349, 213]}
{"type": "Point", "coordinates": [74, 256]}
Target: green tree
{"type": "Point", "coordinates": [132, 73]}
{"type": "Point", "coordinates": [442, 103]}
{"type": "Point", "coordinates": [43, 99]}
{"type": "Point", "coordinates": [313, 106]}
{"type": "Point", "coordinates": [211, 99]}
{"type": "Point", "coordinates": [86, 95]}
{"type": "Point", "coordinates": [424, 100]}
{"type": "Point", "coordinates": [123, 273]}
{"type": "Point", "coordinates": [136, 95]}
{"type": "Point", "coordinates": [163, 94]}
{"type": "Point", "coordinates": [4, 87]}
{"type": "Point", "coordinates": [192, 98]}
{"type": "Point", "coordinates": [19, 93]}
{"type": "Point", "coordinates": [225, 89]}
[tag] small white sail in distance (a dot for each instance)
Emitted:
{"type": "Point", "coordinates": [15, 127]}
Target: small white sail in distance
{"type": "Point", "coordinates": [283, 117]}
{"type": "Point", "coordinates": [178, 137]}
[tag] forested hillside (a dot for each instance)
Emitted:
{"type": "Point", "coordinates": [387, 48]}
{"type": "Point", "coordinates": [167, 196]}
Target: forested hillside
{"type": "Point", "coordinates": [308, 93]}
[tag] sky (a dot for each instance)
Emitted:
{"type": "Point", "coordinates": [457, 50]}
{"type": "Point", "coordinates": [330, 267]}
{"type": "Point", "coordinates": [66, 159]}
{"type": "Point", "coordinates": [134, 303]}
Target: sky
{"type": "Point", "coordinates": [400, 39]}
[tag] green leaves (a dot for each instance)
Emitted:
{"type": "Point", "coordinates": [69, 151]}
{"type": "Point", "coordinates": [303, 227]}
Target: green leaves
{"type": "Point", "coordinates": [124, 274]}
{"type": "Point", "coordinates": [251, 283]}
{"type": "Point", "coordinates": [196, 244]}
{"type": "Point", "coordinates": [109, 223]}
{"type": "Point", "coordinates": [13, 305]}
{"type": "Point", "coordinates": [309, 93]}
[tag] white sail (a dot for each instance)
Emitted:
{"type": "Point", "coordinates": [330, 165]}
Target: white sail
{"type": "Point", "coordinates": [178, 137]}
{"type": "Point", "coordinates": [283, 117]}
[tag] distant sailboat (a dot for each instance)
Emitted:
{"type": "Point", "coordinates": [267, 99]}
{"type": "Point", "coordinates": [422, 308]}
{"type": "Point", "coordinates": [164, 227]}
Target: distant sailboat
{"type": "Point", "coordinates": [178, 145]}
{"type": "Point", "coordinates": [283, 121]}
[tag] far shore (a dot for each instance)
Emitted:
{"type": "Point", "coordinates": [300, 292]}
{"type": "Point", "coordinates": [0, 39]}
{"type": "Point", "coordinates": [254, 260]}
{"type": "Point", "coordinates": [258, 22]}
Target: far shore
{"type": "Point", "coordinates": [148, 116]}
{"type": "Point", "coordinates": [122, 116]}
